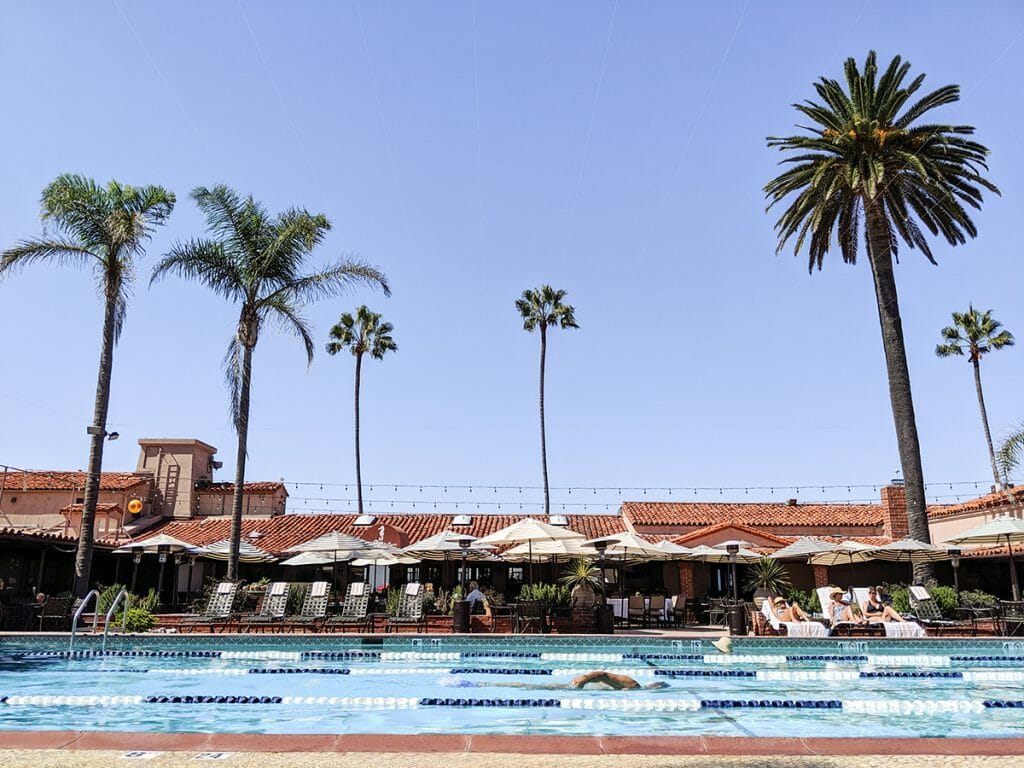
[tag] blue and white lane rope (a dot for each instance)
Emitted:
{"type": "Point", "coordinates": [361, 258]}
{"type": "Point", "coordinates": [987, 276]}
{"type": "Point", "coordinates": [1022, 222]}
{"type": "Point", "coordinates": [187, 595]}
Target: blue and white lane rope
{"type": "Point", "coordinates": [913, 707]}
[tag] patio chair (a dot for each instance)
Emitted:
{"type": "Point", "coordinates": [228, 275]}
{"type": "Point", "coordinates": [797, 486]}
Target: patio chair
{"type": "Point", "coordinates": [678, 614]}
{"type": "Point", "coordinates": [529, 616]}
{"type": "Point", "coordinates": [773, 626]}
{"type": "Point", "coordinates": [656, 610]}
{"type": "Point", "coordinates": [56, 612]}
{"type": "Point", "coordinates": [314, 607]}
{"type": "Point", "coordinates": [927, 613]}
{"type": "Point", "coordinates": [636, 609]}
{"type": "Point", "coordinates": [410, 609]}
{"type": "Point", "coordinates": [1011, 617]}
{"type": "Point", "coordinates": [355, 610]}
{"type": "Point", "coordinates": [848, 628]}
{"type": "Point", "coordinates": [272, 609]}
{"type": "Point", "coordinates": [717, 611]}
{"type": "Point", "coordinates": [218, 608]}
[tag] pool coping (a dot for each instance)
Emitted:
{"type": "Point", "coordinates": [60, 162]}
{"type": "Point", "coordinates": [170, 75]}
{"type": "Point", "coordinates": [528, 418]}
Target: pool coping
{"type": "Point", "coordinates": [507, 744]}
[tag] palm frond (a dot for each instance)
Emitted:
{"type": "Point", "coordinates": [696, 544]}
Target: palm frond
{"type": "Point", "coordinates": [60, 252]}
{"type": "Point", "coordinates": [287, 317]}
{"type": "Point", "coordinates": [232, 365]}
{"type": "Point", "coordinates": [1011, 451]}
{"type": "Point", "coordinates": [205, 261]}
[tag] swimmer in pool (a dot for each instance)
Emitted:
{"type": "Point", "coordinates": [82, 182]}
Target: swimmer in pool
{"type": "Point", "coordinates": [599, 679]}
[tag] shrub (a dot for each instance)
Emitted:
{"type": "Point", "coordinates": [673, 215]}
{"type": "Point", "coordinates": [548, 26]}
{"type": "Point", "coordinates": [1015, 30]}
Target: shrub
{"type": "Point", "coordinates": [552, 596]}
{"type": "Point", "coordinates": [975, 598]}
{"type": "Point", "coordinates": [296, 597]}
{"type": "Point", "coordinates": [805, 600]}
{"type": "Point", "coordinates": [945, 598]}
{"type": "Point", "coordinates": [768, 575]}
{"type": "Point", "coordinates": [139, 620]}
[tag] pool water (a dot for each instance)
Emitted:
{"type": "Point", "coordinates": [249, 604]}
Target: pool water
{"type": "Point", "coordinates": [345, 685]}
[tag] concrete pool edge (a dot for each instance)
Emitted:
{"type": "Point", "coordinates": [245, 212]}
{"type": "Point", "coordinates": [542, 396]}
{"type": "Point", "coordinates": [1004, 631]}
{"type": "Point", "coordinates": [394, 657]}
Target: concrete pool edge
{"type": "Point", "coordinates": [506, 744]}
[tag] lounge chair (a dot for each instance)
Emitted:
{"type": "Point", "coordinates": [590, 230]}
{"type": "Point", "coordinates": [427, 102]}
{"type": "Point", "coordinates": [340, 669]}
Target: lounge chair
{"type": "Point", "coordinates": [355, 611]}
{"type": "Point", "coordinates": [848, 628]}
{"type": "Point", "coordinates": [792, 628]}
{"type": "Point", "coordinates": [927, 613]}
{"type": "Point", "coordinates": [273, 608]}
{"type": "Point", "coordinates": [56, 613]}
{"type": "Point", "coordinates": [529, 615]}
{"type": "Point", "coordinates": [218, 608]}
{"type": "Point", "coordinates": [410, 609]}
{"type": "Point", "coordinates": [1011, 617]}
{"type": "Point", "coordinates": [314, 607]}
{"type": "Point", "coordinates": [905, 628]}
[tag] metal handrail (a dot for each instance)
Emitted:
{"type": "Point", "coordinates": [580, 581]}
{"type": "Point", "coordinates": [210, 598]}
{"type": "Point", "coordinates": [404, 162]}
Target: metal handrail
{"type": "Point", "coordinates": [126, 595]}
{"type": "Point", "coordinates": [78, 614]}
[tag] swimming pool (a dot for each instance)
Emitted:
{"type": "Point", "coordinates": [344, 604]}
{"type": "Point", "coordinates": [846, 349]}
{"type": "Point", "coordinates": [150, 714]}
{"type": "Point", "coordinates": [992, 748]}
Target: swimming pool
{"type": "Point", "coordinates": [444, 685]}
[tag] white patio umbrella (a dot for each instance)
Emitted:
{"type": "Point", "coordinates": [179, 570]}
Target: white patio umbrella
{"type": "Point", "coordinates": [1000, 530]}
{"type": "Point", "coordinates": [247, 553]}
{"type": "Point", "coordinates": [444, 545]}
{"type": "Point", "coordinates": [715, 555]}
{"type": "Point", "coordinates": [628, 546]}
{"type": "Point", "coordinates": [674, 551]}
{"type": "Point", "coordinates": [340, 546]}
{"type": "Point", "coordinates": [521, 553]}
{"type": "Point", "coordinates": [803, 548]}
{"type": "Point", "coordinates": [528, 531]}
{"type": "Point", "coordinates": [384, 556]}
{"type": "Point", "coordinates": [907, 551]}
{"type": "Point", "coordinates": [308, 558]}
{"type": "Point", "coordinates": [161, 544]}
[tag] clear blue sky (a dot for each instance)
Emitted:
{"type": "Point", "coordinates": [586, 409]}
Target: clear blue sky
{"type": "Point", "coordinates": [472, 152]}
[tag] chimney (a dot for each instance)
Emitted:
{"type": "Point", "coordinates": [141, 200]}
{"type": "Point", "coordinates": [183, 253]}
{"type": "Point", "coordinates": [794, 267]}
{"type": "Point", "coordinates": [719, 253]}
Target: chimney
{"type": "Point", "coordinates": [894, 511]}
{"type": "Point", "coordinates": [790, 502]}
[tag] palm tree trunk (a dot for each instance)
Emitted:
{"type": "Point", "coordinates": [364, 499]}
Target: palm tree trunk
{"type": "Point", "coordinates": [543, 438]}
{"type": "Point", "coordinates": [984, 424]}
{"type": "Point", "coordinates": [880, 255]}
{"type": "Point", "coordinates": [83, 556]}
{"type": "Point", "coordinates": [359, 471]}
{"type": "Point", "coordinates": [242, 426]}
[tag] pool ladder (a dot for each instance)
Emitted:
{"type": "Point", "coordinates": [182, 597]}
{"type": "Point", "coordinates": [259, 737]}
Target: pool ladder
{"type": "Point", "coordinates": [125, 595]}
{"type": "Point", "coordinates": [93, 595]}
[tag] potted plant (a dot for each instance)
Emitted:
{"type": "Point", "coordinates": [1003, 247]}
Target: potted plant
{"type": "Point", "coordinates": [583, 580]}
{"type": "Point", "coordinates": [767, 577]}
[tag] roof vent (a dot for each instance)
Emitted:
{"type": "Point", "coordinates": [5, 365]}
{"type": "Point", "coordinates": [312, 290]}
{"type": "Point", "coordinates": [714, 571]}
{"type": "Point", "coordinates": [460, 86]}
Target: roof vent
{"type": "Point", "coordinates": [462, 520]}
{"type": "Point", "coordinates": [557, 520]}
{"type": "Point", "coordinates": [365, 520]}
{"type": "Point", "coordinates": [256, 535]}
{"type": "Point", "coordinates": [790, 502]}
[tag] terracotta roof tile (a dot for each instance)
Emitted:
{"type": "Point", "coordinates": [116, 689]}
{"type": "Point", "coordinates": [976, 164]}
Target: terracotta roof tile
{"type": "Point", "coordinates": [70, 481]}
{"type": "Point", "coordinates": [105, 507]}
{"type": "Point", "coordinates": [759, 514]}
{"type": "Point", "coordinates": [37, 534]}
{"type": "Point", "coordinates": [254, 487]}
{"type": "Point", "coordinates": [690, 535]}
{"type": "Point", "coordinates": [989, 501]}
{"type": "Point", "coordinates": [280, 533]}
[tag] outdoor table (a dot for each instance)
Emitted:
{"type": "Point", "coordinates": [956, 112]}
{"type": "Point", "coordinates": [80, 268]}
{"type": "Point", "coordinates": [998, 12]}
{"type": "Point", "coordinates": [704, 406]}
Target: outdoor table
{"type": "Point", "coordinates": [620, 605]}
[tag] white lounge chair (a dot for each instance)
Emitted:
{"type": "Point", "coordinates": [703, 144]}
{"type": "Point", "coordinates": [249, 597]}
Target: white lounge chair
{"type": "Point", "coordinates": [793, 628]}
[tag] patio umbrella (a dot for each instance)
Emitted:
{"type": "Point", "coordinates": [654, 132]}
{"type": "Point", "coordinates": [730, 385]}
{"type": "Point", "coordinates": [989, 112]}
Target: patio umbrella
{"type": "Point", "coordinates": [340, 546]}
{"type": "Point", "coordinates": [999, 530]}
{"type": "Point", "coordinates": [906, 551]}
{"type": "Point", "coordinates": [803, 548]}
{"type": "Point", "coordinates": [308, 558]}
{"type": "Point", "coordinates": [674, 551]}
{"type": "Point", "coordinates": [715, 555]}
{"type": "Point", "coordinates": [247, 553]}
{"type": "Point", "coordinates": [629, 545]}
{"type": "Point", "coordinates": [160, 544]}
{"type": "Point", "coordinates": [528, 531]}
{"type": "Point", "coordinates": [384, 555]}
{"type": "Point", "coordinates": [443, 545]}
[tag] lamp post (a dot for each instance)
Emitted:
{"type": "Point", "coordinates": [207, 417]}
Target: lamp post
{"type": "Point", "coordinates": [954, 558]}
{"type": "Point", "coordinates": [733, 549]}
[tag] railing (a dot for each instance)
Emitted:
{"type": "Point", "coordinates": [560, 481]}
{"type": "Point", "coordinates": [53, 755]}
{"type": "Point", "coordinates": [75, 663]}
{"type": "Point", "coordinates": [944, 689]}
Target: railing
{"type": "Point", "coordinates": [93, 594]}
{"type": "Point", "coordinates": [126, 595]}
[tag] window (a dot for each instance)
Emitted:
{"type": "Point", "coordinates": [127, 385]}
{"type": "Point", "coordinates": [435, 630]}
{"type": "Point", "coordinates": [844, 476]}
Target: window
{"type": "Point", "coordinates": [412, 574]}
{"type": "Point", "coordinates": [515, 573]}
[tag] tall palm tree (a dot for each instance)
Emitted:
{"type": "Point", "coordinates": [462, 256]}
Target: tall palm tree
{"type": "Point", "coordinates": [104, 228]}
{"type": "Point", "coordinates": [255, 260]}
{"type": "Point", "coordinates": [975, 334]}
{"type": "Point", "coordinates": [1011, 450]}
{"type": "Point", "coordinates": [362, 334]}
{"type": "Point", "coordinates": [869, 159]}
{"type": "Point", "coordinates": [543, 308]}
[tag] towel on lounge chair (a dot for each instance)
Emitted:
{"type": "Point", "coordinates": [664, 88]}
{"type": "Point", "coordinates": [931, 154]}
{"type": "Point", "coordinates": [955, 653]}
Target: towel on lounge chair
{"type": "Point", "coordinates": [278, 588]}
{"type": "Point", "coordinates": [319, 589]}
{"type": "Point", "coordinates": [793, 628]}
{"type": "Point", "coordinates": [357, 589]}
{"type": "Point", "coordinates": [412, 588]}
{"type": "Point", "coordinates": [225, 587]}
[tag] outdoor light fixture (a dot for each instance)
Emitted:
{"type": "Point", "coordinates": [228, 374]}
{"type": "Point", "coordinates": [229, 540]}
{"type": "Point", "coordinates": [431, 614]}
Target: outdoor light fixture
{"type": "Point", "coordinates": [94, 430]}
{"type": "Point", "coordinates": [954, 558]}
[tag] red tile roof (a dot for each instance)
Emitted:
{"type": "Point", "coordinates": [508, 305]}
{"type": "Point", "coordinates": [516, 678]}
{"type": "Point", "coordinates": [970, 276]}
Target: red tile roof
{"type": "Point", "coordinates": [37, 534]}
{"type": "Point", "coordinates": [254, 487]}
{"type": "Point", "coordinates": [691, 535]}
{"type": "Point", "coordinates": [760, 514]}
{"type": "Point", "coordinates": [106, 508]}
{"type": "Point", "coordinates": [280, 533]}
{"type": "Point", "coordinates": [69, 481]}
{"type": "Point", "coordinates": [989, 501]}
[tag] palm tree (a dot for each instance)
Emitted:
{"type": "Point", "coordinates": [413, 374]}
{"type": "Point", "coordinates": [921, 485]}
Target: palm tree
{"type": "Point", "coordinates": [976, 333]}
{"type": "Point", "coordinates": [867, 159]}
{"type": "Point", "coordinates": [362, 334]}
{"type": "Point", "coordinates": [1011, 451]}
{"type": "Point", "coordinates": [105, 228]}
{"type": "Point", "coordinates": [255, 260]}
{"type": "Point", "coordinates": [543, 308]}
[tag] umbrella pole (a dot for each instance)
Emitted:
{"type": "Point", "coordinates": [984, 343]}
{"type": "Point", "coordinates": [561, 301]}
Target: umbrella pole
{"type": "Point", "coordinates": [530, 547]}
{"type": "Point", "coordinates": [160, 582]}
{"type": "Point", "coordinates": [1014, 586]}
{"type": "Point", "coordinates": [135, 573]}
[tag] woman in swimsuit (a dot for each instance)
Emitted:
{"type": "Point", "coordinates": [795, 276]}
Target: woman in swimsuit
{"type": "Point", "coordinates": [840, 611]}
{"type": "Point", "coordinates": [874, 610]}
{"type": "Point", "coordinates": [788, 613]}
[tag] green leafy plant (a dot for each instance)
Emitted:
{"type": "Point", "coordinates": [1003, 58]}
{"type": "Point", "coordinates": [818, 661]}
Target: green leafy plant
{"type": "Point", "coordinates": [551, 596]}
{"type": "Point", "coordinates": [804, 599]}
{"type": "Point", "coordinates": [581, 572]}
{"type": "Point", "coordinates": [768, 575]}
{"type": "Point", "coordinates": [139, 620]}
{"type": "Point", "coordinates": [493, 596]}
{"type": "Point", "coordinates": [976, 598]}
{"type": "Point", "coordinates": [392, 599]}
{"type": "Point", "coordinates": [296, 597]}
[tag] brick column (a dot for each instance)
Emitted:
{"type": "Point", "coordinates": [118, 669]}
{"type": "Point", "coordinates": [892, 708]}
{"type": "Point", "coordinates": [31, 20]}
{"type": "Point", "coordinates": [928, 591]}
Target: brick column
{"type": "Point", "coordinates": [686, 579]}
{"type": "Point", "coordinates": [820, 576]}
{"type": "Point", "coordinates": [894, 512]}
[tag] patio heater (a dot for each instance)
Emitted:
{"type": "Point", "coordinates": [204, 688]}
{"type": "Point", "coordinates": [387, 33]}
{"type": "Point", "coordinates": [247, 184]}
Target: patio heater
{"type": "Point", "coordinates": [733, 549]}
{"type": "Point", "coordinates": [162, 551]}
{"type": "Point", "coordinates": [954, 559]}
{"type": "Point", "coordinates": [460, 609]}
{"type": "Point", "coordinates": [191, 565]}
{"type": "Point", "coordinates": [601, 546]}
{"type": "Point", "coordinates": [464, 545]}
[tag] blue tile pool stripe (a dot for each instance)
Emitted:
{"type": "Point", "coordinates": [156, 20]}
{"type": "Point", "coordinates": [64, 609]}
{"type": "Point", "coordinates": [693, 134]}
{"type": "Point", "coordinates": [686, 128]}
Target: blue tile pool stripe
{"type": "Point", "coordinates": [957, 675]}
{"type": "Point", "coordinates": [770, 703]}
{"type": "Point", "coordinates": [705, 673]}
{"type": "Point", "coordinates": [498, 671]}
{"type": "Point", "coordinates": [490, 702]}
{"type": "Point", "coordinates": [502, 655]}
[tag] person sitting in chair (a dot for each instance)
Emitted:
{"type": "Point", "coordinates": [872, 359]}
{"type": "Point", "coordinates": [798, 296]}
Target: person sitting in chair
{"type": "Point", "coordinates": [477, 601]}
{"type": "Point", "coordinates": [875, 610]}
{"type": "Point", "coordinates": [840, 611]}
{"type": "Point", "coordinates": [786, 612]}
